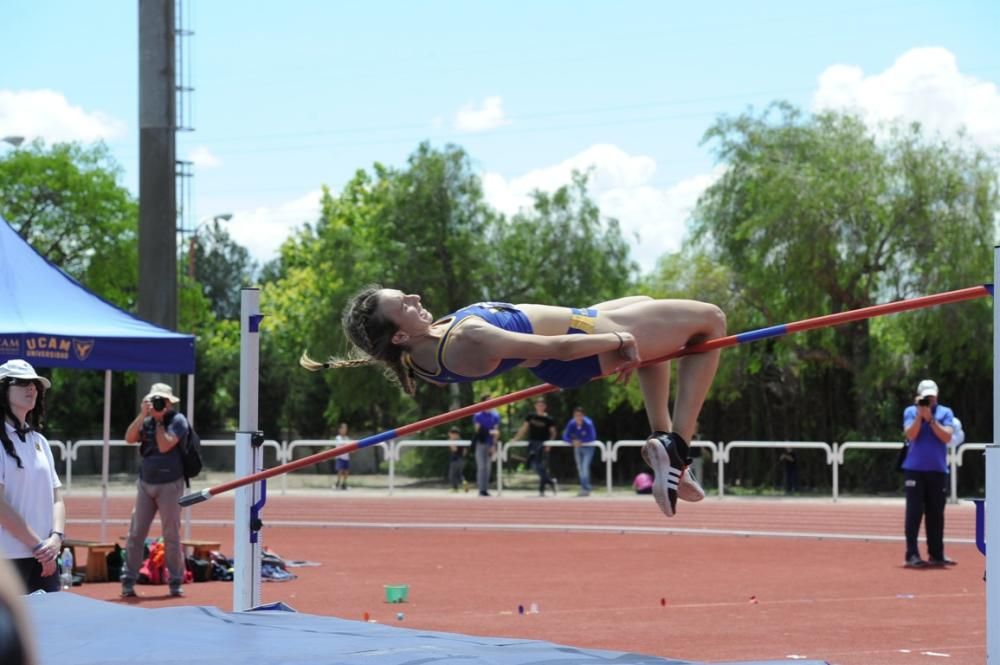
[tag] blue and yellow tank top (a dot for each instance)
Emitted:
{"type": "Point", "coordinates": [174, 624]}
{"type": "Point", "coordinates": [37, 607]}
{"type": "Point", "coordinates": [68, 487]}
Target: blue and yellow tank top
{"type": "Point", "coordinates": [500, 314]}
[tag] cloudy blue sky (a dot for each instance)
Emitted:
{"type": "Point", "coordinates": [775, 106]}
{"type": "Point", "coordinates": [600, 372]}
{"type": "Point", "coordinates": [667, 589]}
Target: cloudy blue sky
{"type": "Point", "coordinates": [294, 95]}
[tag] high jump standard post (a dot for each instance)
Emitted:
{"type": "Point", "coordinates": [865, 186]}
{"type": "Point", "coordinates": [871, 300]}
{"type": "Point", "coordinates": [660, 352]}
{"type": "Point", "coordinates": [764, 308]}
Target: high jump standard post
{"type": "Point", "coordinates": [992, 504]}
{"type": "Point", "coordinates": [249, 459]}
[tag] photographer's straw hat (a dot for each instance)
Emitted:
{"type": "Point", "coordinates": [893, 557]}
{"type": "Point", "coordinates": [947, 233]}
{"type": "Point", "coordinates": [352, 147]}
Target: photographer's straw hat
{"type": "Point", "coordinates": [21, 369]}
{"type": "Point", "coordinates": [927, 387]}
{"type": "Point", "coordinates": [162, 390]}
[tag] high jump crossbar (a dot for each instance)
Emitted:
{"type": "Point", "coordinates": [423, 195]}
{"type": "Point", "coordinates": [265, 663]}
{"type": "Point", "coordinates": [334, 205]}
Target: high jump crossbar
{"type": "Point", "coordinates": [826, 321]}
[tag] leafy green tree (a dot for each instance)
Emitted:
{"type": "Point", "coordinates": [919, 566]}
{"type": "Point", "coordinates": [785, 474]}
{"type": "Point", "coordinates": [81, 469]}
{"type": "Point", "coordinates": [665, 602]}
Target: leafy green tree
{"type": "Point", "coordinates": [221, 267]}
{"type": "Point", "coordinates": [67, 202]}
{"type": "Point", "coordinates": [819, 214]}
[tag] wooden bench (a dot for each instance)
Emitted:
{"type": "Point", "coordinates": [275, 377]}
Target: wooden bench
{"type": "Point", "coordinates": [197, 547]}
{"type": "Point", "coordinates": [201, 549]}
{"type": "Point", "coordinates": [96, 568]}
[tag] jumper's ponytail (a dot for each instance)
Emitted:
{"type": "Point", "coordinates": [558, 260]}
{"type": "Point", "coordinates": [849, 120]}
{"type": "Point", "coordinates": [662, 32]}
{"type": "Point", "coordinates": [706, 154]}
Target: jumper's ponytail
{"type": "Point", "coordinates": [333, 363]}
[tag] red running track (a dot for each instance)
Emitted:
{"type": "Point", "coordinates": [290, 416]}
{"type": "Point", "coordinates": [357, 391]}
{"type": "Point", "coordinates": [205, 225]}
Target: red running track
{"type": "Point", "coordinates": [614, 573]}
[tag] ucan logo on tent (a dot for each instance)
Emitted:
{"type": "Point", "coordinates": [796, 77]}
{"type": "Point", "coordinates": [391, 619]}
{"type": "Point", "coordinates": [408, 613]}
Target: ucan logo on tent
{"type": "Point", "coordinates": [82, 348]}
{"type": "Point", "coordinates": [45, 346]}
{"type": "Point", "coordinates": [10, 346]}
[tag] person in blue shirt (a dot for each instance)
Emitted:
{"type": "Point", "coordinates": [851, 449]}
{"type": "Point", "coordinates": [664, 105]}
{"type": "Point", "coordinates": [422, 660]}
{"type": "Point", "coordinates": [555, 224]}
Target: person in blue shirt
{"type": "Point", "coordinates": [563, 346]}
{"type": "Point", "coordinates": [929, 428]}
{"type": "Point", "coordinates": [485, 438]}
{"type": "Point", "coordinates": [580, 430]}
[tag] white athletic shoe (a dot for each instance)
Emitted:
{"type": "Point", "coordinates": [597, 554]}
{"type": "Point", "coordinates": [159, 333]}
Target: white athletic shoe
{"type": "Point", "coordinates": [689, 489]}
{"type": "Point", "coordinates": [666, 475]}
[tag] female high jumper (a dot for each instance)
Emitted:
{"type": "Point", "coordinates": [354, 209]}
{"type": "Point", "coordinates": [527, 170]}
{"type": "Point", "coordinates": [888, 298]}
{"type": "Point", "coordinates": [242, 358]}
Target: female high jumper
{"type": "Point", "coordinates": [563, 346]}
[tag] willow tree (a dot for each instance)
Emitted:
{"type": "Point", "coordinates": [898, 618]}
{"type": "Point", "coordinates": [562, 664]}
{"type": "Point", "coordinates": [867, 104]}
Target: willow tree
{"type": "Point", "coordinates": [817, 214]}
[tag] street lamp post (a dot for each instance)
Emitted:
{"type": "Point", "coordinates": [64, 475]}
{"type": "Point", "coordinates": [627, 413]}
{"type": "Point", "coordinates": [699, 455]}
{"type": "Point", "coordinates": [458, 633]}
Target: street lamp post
{"type": "Point", "coordinates": [193, 242]}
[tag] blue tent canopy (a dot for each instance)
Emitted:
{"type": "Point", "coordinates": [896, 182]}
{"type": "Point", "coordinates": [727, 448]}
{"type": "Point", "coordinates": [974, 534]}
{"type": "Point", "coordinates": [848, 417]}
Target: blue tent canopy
{"type": "Point", "coordinates": [51, 320]}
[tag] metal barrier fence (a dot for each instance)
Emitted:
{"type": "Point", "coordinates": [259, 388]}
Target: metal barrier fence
{"type": "Point", "coordinates": [397, 446]}
{"type": "Point", "coordinates": [284, 451]}
{"type": "Point", "coordinates": [631, 443]}
{"type": "Point", "coordinates": [729, 447]}
{"type": "Point", "coordinates": [75, 446]}
{"type": "Point", "coordinates": [559, 443]}
{"type": "Point", "coordinates": [288, 454]}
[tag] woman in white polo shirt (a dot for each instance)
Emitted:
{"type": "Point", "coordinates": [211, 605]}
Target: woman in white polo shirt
{"type": "Point", "coordinates": [32, 514]}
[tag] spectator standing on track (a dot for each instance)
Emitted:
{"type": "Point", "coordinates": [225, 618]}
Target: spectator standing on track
{"type": "Point", "coordinates": [32, 512]}
{"type": "Point", "coordinates": [790, 462]}
{"type": "Point", "coordinates": [343, 463]}
{"type": "Point", "coordinates": [540, 427]}
{"type": "Point", "coordinates": [456, 460]}
{"type": "Point", "coordinates": [929, 428]}
{"type": "Point", "coordinates": [158, 430]}
{"type": "Point", "coordinates": [580, 430]}
{"type": "Point", "coordinates": [485, 440]}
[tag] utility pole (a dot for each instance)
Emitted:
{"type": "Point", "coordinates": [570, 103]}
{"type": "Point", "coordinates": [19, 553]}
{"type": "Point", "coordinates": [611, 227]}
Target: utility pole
{"type": "Point", "coordinates": [157, 171]}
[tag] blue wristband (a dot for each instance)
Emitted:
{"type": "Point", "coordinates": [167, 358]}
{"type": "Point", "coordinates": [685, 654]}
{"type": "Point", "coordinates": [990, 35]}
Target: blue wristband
{"type": "Point", "coordinates": [40, 545]}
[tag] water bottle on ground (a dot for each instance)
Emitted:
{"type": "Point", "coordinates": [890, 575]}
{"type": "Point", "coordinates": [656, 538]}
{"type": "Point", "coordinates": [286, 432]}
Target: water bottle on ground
{"type": "Point", "coordinates": [66, 569]}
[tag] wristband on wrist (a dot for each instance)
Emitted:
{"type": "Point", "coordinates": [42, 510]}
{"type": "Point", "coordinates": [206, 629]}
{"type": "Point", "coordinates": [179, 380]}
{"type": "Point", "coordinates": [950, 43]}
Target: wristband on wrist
{"type": "Point", "coordinates": [621, 341]}
{"type": "Point", "coordinates": [61, 535]}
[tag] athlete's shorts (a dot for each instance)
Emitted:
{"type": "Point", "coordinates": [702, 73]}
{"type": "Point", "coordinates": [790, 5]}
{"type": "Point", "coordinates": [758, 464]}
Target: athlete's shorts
{"type": "Point", "coordinates": [343, 463]}
{"type": "Point", "coordinates": [572, 373]}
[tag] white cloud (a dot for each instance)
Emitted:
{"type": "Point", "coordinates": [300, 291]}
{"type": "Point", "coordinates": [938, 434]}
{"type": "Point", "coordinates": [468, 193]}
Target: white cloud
{"type": "Point", "coordinates": [621, 185]}
{"type": "Point", "coordinates": [48, 114]}
{"type": "Point", "coordinates": [263, 230]}
{"type": "Point", "coordinates": [203, 158]}
{"type": "Point", "coordinates": [488, 116]}
{"type": "Point", "coordinates": [924, 84]}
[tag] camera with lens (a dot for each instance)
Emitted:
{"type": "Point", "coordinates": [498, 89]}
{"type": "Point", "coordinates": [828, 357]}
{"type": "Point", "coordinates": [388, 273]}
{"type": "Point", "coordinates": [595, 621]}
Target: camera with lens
{"type": "Point", "coordinates": [159, 403]}
{"type": "Point", "coordinates": [924, 401]}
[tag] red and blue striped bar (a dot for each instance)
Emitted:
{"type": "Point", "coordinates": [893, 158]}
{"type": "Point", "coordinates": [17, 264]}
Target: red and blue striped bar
{"type": "Point", "coordinates": [712, 344]}
{"type": "Point", "coordinates": [413, 428]}
{"type": "Point", "coordinates": [838, 319]}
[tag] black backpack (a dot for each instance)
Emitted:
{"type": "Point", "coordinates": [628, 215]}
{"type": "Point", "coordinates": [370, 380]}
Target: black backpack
{"type": "Point", "coordinates": [191, 455]}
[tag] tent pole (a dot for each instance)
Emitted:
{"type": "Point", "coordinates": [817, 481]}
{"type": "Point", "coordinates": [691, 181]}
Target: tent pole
{"type": "Point", "coordinates": [190, 418]}
{"type": "Point", "coordinates": [190, 406]}
{"type": "Point", "coordinates": [105, 454]}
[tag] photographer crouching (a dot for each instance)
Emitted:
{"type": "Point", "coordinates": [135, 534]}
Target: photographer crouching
{"type": "Point", "coordinates": [158, 430]}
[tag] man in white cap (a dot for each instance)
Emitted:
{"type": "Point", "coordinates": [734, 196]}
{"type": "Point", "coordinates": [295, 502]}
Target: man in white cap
{"type": "Point", "coordinates": [928, 428]}
{"type": "Point", "coordinates": [158, 430]}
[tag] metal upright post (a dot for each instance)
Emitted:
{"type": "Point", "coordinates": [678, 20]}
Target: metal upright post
{"type": "Point", "coordinates": [247, 547]}
{"type": "Point", "coordinates": [992, 507]}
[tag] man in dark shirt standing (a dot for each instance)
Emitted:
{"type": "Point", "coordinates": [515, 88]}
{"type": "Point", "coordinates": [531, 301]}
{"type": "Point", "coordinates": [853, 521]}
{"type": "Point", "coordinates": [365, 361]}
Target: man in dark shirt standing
{"type": "Point", "coordinates": [158, 430]}
{"type": "Point", "coordinates": [540, 427]}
